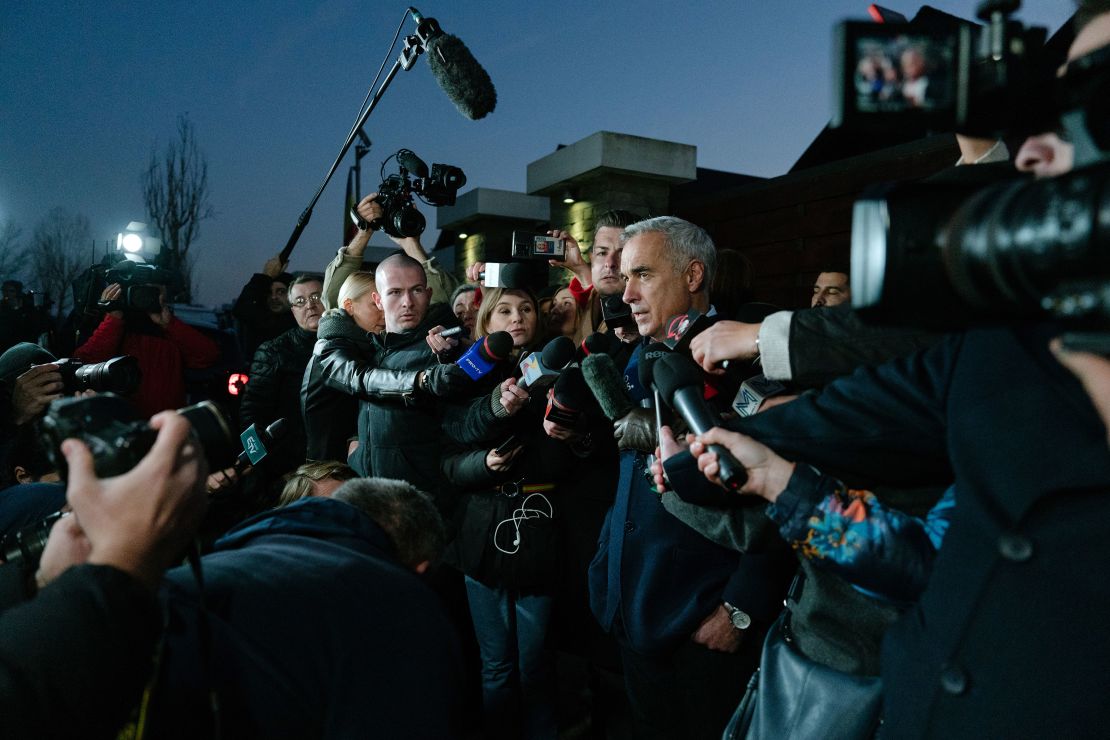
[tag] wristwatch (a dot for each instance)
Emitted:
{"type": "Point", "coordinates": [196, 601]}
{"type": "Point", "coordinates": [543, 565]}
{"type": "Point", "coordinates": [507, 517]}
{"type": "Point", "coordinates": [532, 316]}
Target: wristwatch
{"type": "Point", "coordinates": [740, 620]}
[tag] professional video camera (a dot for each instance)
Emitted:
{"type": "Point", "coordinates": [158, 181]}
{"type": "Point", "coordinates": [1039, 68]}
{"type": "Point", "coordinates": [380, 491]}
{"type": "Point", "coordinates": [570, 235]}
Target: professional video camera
{"type": "Point", "coordinates": [118, 375]}
{"type": "Point", "coordinates": [437, 188]}
{"type": "Point", "coordinates": [950, 252]}
{"type": "Point", "coordinates": [118, 440]}
{"type": "Point", "coordinates": [943, 74]}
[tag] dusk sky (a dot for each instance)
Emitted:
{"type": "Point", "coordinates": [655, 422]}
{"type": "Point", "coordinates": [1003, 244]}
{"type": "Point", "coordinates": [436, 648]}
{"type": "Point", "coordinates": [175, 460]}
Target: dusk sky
{"type": "Point", "coordinates": [87, 89]}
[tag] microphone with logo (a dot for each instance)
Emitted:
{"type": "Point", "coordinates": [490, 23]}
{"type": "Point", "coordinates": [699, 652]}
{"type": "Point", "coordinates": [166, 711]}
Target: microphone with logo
{"type": "Point", "coordinates": [569, 399]}
{"type": "Point", "coordinates": [596, 343]}
{"type": "Point", "coordinates": [682, 328]}
{"type": "Point", "coordinates": [680, 382]}
{"type": "Point", "coordinates": [257, 445]}
{"type": "Point", "coordinates": [652, 354]}
{"type": "Point", "coordinates": [485, 354]}
{"type": "Point", "coordinates": [539, 370]}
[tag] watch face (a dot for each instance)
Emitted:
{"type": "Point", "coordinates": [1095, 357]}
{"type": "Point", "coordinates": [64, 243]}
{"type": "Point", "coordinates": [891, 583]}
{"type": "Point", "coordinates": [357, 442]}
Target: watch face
{"type": "Point", "coordinates": [740, 620]}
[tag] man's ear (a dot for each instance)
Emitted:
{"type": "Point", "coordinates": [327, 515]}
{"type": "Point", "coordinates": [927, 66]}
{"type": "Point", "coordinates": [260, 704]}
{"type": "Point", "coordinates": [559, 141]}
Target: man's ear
{"type": "Point", "coordinates": [21, 475]}
{"type": "Point", "coordinates": [695, 277]}
{"type": "Point", "coordinates": [429, 289]}
{"type": "Point", "coordinates": [378, 300]}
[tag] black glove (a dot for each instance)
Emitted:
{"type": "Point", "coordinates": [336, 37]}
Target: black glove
{"type": "Point", "coordinates": [445, 381]}
{"type": "Point", "coordinates": [636, 431]}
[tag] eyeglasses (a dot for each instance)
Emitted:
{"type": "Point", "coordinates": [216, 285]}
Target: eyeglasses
{"type": "Point", "coordinates": [302, 301]}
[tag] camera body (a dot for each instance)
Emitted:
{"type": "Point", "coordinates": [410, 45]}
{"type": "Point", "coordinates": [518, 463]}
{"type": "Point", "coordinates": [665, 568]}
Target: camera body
{"type": "Point", "coordinates": [437, 187]}
{"type": "Point", "coordinates": [118, 439]}
{"type": "Point", "coordinates": [141, 287]}
{"type": "Point", "coordinates": [118, 375]}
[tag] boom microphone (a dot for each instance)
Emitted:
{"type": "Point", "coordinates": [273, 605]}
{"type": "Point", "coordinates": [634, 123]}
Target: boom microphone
{"type": "Point", "coordinates": [485, 354]}
{"type": "Point", "coordinates": [456, 70]}
{"type": "Point", "coordinates": [607, 384]}
{"type": "Point", "coordinates": [679, 380]}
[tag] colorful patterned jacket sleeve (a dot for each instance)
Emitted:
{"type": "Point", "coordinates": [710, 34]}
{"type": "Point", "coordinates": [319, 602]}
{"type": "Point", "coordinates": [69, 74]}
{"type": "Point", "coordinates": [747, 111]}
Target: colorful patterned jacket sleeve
{"type": "Point", "coordinates": [881, 551]}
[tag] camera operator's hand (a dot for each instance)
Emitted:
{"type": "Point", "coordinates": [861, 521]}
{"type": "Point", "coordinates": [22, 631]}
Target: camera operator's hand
{"type": "Point", "coordinates": [474, 272]}
{"type": "Point", "coordinates": [768, 473]}
{"type": "Point", "coordinates": [141, 521]}
{"type": "Point", "coordinates": [112, 293]}
{"type": "Point", "coordinates": [725, 340]}
{"type": "Point", "coordinates": [163, 318]}
{"type": "Point", "coordinates": [445, 381]}
{"type": "Point", "coordinates": [33, 391]}
{"type": "Point", "coordinates": [438, 344]}
{"type": "Point", "coordinates": [370, 210]}
{"type": "Point", "coordinates": [574, 261]}
{"type": "Point", "coordinates": [66, 546]}
{"type": "Point", "coordinates": [274, 266]}
{"type": "Point", "coordinates": [636, 430]}
{"type": "Point", "coordinates": [1093, 372]}
{"type": "Point", "coordinates": [510, 396]}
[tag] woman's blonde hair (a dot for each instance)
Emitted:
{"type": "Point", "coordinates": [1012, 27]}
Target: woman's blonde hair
{"type": "Point", "coordinates": [356, 286]}
{"type": "Point", "coordinates": [299, 483]}
{"type": "Point", "coordinates": [490, 298]}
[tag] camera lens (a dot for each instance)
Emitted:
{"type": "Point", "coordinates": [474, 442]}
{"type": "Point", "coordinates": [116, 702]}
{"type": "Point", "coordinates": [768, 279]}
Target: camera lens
{"type": "Point", "coordinates": [117, 375]}
{"type": "Point", "coordinates": [407, 221]}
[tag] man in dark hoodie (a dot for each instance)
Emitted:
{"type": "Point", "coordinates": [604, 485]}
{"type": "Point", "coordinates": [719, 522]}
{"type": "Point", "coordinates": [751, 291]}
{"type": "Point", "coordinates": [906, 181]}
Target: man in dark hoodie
{"type": "Point", "coordinates": [313, 623]}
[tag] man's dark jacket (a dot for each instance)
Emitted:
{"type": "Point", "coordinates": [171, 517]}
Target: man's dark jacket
{"type": "Point", "coordinates": [274, 392]}
{"type": "Point", "coordinates": [329, 392]}
{"type": "Point", "coordinates": [1009, 638]}
{"type": "Point", "coordinates": [257, 323]}
{"type": "Point", "coordinates": [316, 631]}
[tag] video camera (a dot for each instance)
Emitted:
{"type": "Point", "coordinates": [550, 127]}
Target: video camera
{"type": "Point", "coordinates": [437, 188]}
{"type": "Point", "coordinates": [952, 251]}
{"type": "Point", "coordinates": [943, 74]}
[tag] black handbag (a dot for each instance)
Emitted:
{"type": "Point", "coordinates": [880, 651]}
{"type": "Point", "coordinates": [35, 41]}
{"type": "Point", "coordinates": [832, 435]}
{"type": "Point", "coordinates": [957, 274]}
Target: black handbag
{"type": "Point", "coordinates": [791, 696]}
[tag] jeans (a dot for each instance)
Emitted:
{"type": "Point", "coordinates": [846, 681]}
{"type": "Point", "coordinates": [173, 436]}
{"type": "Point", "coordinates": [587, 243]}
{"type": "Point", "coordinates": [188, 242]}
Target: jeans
{"type": "Point", "coordinates": [517, 686]}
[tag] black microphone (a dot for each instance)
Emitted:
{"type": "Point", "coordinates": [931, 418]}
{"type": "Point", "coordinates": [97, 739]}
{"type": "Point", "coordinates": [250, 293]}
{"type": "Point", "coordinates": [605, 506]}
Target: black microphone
{"type": "Point", "coordinates": [652, 354]}
{"type": "Point", "coordinates": [568, 399]}
{"type": "Point", "coordinates": [257, 444]}
{"type": "Point", "coordinates": [608, 386]}
{"type": "Point", "coordinates": [680, 380]}
{"type": "Point", "coordinates": [484, 354]}
{"type": "Point", "coordinates": [596, 343]}
{"type": "Point", "coordinates": [540, 369]}
{"type": "Point", "coordinates": [414, 164]}
{"type": "Point", "coordinates": [456, 70]}
{"type": "Point", "coordinates": [682, 328]}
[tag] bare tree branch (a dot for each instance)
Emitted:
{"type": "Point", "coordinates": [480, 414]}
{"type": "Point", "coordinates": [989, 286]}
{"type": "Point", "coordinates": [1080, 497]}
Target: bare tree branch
{"type": "Point", "coordinates": [175, 190]}
{"type": "Point", "coordinates": [60, 250]}
{"type": "Point", "coordinates": [13, 256]}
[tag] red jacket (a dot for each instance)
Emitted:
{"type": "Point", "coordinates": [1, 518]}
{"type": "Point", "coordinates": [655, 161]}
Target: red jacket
{"type": "Point", "coordinates": [162, 359]}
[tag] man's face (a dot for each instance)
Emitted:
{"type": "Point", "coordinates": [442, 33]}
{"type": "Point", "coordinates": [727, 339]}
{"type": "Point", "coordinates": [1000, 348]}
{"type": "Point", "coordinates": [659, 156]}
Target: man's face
{"type": "Point", "coordinates": [831, 289]}
{"type": "Point", "coordinates": [304, 299]}
{"type": "Point", "coordinates": [279, 297]}
{"type": "Point", "coordinates": [403, 296]}
{"type": "Point", "coordinates": [605, 261]}
{"type": "Point", "coordinates": [653, 288]}
{"type": "Point", "coordinates": [1047, 155]}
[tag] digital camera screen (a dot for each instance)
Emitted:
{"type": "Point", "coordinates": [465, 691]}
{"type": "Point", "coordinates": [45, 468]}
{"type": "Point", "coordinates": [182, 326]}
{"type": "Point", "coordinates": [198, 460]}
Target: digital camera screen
{"type": "Point", "coordinates": [903, 73]}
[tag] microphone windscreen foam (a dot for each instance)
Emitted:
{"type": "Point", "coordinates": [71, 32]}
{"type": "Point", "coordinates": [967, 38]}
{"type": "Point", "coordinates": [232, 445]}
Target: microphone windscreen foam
{"type": "Point", "coordinates": [461, 77]}
{"type": "Point", "coordinates": [607, 384]}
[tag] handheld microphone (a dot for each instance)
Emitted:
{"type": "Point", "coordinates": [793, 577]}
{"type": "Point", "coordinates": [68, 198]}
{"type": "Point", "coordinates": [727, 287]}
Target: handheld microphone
{"type": "Point", "coordinates": [257, 445]}
{"type": "Point", "coordinates": [485, 354]}
{"type": "Point", "coordinates": [540, 369]}
{"type": "Point", "coordinates": [652, 354]}
{"type": "Point", "coordinates": [456, 70]}
{"type": "Point", "coordinates": [607, 384]}
{"type": "Point", "coordinates": [753, 392]}
{"type": "Point", "coordinates": [680, 380]}
{"type": "Point", "coordinates": [596, 343]}
{"type": "Point", "coordinates": [568, 399]}
{"type": "Point", "coordinates": [682, 328]}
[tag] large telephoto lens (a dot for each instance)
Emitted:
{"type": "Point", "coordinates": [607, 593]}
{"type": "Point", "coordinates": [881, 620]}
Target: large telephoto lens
{"type": "Point", "coordinates": [118, 375]}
